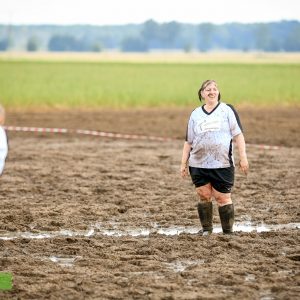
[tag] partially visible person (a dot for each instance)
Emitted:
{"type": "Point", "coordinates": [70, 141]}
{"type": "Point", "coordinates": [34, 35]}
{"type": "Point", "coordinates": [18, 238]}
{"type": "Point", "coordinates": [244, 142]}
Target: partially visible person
{"type": "Point", "coordinates": [3, 140]}
{"type": "Point", "coordinates": [208, 153]}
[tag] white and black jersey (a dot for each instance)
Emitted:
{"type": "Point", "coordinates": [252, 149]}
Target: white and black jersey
{"type": "Point", "coordinates": [210, 135]}
{"type": "Point", "coordinates": [3, 148]}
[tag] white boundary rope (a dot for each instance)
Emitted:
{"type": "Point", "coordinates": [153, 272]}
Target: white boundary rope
{"type": "Point", "coordinates": [87, 132]}
{"type": "Point", "coordinates": [112, 135]}
{"type": "Point", "coordinates": [265, 147]}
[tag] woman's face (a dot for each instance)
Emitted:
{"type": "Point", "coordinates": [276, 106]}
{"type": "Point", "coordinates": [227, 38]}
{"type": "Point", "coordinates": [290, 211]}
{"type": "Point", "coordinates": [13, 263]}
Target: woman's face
{"type": "Point", "coordinates": [210, 92]}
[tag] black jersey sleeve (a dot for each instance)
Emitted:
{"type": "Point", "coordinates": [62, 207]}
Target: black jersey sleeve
{"type": "Point", "coordinates": [186, 133]}
{"type": "Point", "coordinates": [236, 116]}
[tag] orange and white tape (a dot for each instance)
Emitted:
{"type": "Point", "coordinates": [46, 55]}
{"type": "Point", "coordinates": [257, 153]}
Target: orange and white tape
{"type": "Point", "coordinates": [265, 147]}
{"type": "Point", "coordinates": [36, 129]}
{"type": "Point", "coordinates": [87, 132]}
{"type": "Point", "coordinates": [112, 135]}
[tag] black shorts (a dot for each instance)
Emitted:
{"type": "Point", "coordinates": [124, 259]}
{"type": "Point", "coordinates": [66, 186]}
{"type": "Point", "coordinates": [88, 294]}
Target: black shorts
{"type": "Point", "coordinates": [221, 179]}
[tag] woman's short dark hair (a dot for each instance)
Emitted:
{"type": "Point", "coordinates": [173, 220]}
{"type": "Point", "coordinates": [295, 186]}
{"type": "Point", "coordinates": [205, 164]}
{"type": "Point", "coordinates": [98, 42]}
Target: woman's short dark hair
{"type": "Point", "coordinates": [204, 85]}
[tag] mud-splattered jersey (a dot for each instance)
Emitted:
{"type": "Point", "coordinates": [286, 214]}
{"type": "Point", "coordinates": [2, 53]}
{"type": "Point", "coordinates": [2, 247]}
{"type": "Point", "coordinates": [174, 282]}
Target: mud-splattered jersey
{"type": "Point", "coordinates": [210, 135]}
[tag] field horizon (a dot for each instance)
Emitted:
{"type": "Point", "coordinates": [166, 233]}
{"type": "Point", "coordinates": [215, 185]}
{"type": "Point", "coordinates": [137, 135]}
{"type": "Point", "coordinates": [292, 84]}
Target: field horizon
{"type": "Point", "coordinates": [157, 56]}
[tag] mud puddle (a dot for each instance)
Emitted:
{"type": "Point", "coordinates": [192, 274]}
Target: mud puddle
{"type": "Point", "coordinates": [99, 229]}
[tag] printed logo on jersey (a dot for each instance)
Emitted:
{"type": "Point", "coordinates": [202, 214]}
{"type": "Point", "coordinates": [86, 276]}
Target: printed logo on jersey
{"type": "Point", "coordinates": [211, 124]}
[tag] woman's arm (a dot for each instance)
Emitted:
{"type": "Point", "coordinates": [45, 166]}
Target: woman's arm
{"type": "Point", "coordinates": [185, 156]}
{"type": "Point", "coordinates": [240, 142]}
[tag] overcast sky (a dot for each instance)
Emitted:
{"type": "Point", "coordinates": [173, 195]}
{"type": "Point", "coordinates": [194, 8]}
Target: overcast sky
{"type": "Point", "coordinates": [106, 12]}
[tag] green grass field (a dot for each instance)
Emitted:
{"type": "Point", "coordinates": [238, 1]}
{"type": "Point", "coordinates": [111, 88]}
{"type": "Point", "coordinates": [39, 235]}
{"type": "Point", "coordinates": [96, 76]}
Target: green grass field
{"type": "Point", "coordinates": [88, 84]}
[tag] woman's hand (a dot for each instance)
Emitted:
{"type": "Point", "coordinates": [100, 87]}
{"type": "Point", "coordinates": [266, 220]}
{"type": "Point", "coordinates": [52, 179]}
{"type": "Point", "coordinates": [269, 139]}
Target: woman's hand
{"type": "Point", "coordinates": [240, 141]}
{"type": "Point", "coordinates": [183, 170]}
{"type": "Point", "coordinates": [184, 159]}
{"type": "Point", "coordinates": [244, 165]}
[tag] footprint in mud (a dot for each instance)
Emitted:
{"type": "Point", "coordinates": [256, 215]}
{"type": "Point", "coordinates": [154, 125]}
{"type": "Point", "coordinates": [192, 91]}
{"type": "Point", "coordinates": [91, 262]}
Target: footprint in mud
{"type": "Point", "coordinates": [163, 157]}
{"type": "Point", "coordinates": [295, 257]}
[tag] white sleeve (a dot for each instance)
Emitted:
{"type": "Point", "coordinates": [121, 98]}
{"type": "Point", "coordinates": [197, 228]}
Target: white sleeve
{"type": "Point", "coordinates": [3, 149]}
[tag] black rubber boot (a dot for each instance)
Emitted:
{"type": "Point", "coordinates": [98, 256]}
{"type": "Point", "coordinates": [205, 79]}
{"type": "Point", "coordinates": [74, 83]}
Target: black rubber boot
{"type": "Point", "coordinates": [226, 213]}
{"type": "Point", "coordinates": [205, 211]}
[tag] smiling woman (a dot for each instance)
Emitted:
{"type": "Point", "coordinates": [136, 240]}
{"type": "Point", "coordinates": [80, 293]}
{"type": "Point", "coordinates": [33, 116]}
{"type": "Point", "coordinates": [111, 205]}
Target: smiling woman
{"type": "Point", "coordinates": [208, 154]}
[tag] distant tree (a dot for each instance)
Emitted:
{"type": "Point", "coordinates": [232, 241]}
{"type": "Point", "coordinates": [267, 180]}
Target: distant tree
{"type": "Point", "coordinates": [134, 44]}
{"type": "Point", "coordinates": [187, 47]}
{"type": "Point", "coordinates": [292, 41]}
{"type": "Point", "coordinates": [235, 36]}
{"type": "Point", "coordinates": [169, 33]}
{"type": "Point", "coordinates": [275, 45]}
{"type": "Point", "coordinates": [160, 35]}
{"type": "Point", "coordinates": [65, 43]}
{"type": "Point", "coordinates": [96, 47]}
{"type": "Point", "coordinates": [205, 31]}
{"type": "Point", "coordinates": [273, 36]}
{"type": "Point", "coordinates": [150, 30]}
{"type": "Point", "coordinates": [150, 33]}
{"type": "Point", "coordinates": [32, 44]}
{"type": "Point", "coordinates": [262, 37]}
{"type": "Point", "coordinates": [4, 44]}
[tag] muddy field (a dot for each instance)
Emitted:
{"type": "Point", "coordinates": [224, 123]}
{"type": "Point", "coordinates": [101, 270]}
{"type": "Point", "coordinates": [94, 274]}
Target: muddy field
{"type": "Point", "coordinates": [87, 217]}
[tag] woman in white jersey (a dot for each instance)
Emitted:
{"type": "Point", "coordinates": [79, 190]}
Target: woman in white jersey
{"type": "Point", "coordinates": [3, 140]}
{"type": "Point", "coordinates": [208, 153]}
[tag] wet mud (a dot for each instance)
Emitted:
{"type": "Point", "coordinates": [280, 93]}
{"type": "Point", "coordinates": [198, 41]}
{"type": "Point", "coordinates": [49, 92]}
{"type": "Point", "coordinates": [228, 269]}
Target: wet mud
{"type": "Point", "coordinates": [87, 217]}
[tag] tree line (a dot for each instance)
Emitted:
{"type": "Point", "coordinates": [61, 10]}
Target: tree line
{"type": "Point", "coordinates": [151, 35]}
